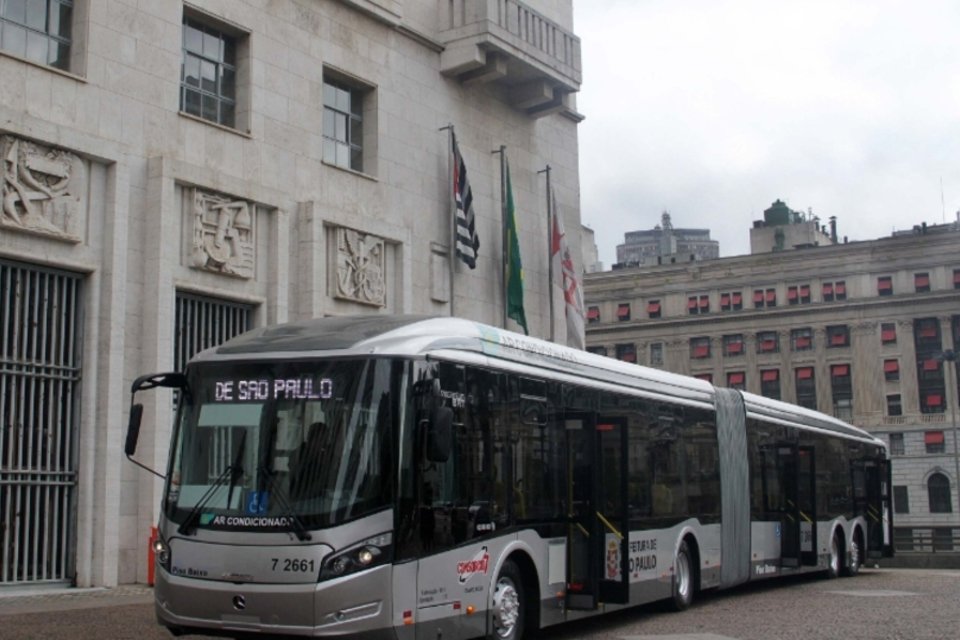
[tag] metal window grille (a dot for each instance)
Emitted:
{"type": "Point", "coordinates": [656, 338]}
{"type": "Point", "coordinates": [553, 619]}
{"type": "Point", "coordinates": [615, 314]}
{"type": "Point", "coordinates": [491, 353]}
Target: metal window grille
{"type": "Point", "coordinates": [203, 322]}
{"type": "Point", "coordinates": [40, 369]}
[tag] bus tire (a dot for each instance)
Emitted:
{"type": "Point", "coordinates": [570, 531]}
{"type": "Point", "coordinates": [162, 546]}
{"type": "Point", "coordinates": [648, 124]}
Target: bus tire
{"type": "Point", "coordinates": [835, 562]}
{"type": "Point", "coordinates": [855, 556]}
{"type": "Point", "coordinates": [507, 614]}
{"type": "Point", "coordinates": [683, 575]}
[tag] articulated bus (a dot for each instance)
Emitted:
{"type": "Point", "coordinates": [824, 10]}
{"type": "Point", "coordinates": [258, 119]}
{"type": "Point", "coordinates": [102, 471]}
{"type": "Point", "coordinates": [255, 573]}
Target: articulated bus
{"type": "Point", "coordinates": [418, 478]}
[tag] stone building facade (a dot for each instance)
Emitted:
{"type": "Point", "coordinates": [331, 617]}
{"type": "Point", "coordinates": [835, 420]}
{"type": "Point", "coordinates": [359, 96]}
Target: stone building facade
{"type": "Point", "coordinates": [178, 172]}
{"type": "Point", "coordinates": [664, 244]}
{"type": "Point", "coordinates": [863, 331]}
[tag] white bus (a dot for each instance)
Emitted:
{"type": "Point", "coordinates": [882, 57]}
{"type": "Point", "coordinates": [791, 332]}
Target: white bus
{"type": "Point", "coordinates": [418, 478]}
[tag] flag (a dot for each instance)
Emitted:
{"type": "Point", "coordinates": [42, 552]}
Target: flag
{"type": "Point", "coordinates": [514, 268]}
{"type": "Point", "coordinates": [466, 240]}
{"type": "Point", "coordinates": [567, 279]}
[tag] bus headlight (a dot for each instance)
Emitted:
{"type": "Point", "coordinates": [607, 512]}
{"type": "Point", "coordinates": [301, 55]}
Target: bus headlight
{"type": "Point", "coordinates": [161, 552]}
{"type": "Point", "coordinates": [369, 553]}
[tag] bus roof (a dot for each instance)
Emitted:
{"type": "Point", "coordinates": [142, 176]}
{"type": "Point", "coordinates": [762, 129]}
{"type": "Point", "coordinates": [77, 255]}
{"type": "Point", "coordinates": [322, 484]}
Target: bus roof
{"type": "Point", "coordinates": [417, 335]}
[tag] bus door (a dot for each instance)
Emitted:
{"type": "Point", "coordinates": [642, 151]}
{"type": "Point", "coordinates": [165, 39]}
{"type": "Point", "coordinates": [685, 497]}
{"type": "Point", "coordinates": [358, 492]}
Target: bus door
{"type": "Point", "coordinates": [598, 563]}
{"type": "Point", "coordinates": [611, 509]}
{"type": "Point", "coordinates": [872, 499]}
{"type": "Point", "coordinates": [798, 535]}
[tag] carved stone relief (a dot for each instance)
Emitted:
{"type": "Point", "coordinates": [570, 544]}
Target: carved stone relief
{"type": "Point", "coordinates": [43, 191]}
{"type": "Point", "coordinates": [361, 267]}
{"type": "Point", "coordinates": [223, 234]}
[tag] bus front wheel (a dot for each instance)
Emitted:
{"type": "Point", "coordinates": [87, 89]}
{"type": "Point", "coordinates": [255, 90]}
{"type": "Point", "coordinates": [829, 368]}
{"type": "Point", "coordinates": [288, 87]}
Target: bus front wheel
{"type": "Point", "coordinates": [682, 578]}
{"type": "Point", "coordinates": [508, 603]}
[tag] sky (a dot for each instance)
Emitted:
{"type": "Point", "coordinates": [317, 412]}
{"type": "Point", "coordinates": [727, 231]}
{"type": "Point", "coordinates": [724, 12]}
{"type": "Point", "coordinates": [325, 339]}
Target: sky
{"type": "Point", "coordinates": [714, 109]}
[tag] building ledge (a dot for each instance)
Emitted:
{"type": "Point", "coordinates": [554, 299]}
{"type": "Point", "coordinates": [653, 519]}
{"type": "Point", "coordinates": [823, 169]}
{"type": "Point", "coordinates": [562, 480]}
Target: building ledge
{"type": "Point", "coordinates": [508, 43]}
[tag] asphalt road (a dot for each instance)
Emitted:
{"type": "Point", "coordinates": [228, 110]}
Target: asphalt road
{"type": "Point", "coordinates": [884, 604]}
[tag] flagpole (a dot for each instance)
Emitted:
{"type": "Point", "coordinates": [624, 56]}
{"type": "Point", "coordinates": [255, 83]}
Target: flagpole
{"type": "Point", "coordinates": [453, 210]}
{"type": "Point", "coordinates": [503, 227]}
{"type": "Point", "coordinates": [550, 273]}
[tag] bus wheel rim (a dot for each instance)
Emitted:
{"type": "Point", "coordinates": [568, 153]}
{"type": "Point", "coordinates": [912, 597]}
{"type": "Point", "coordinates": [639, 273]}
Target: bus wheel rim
{"type": "Point", "coordinates": [854, 554]}
{"type": "Point", "coordinates": [506, 608]}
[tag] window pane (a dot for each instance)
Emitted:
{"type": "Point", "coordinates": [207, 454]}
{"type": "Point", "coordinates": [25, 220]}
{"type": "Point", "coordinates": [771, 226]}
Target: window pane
{"type": "Point", "coordinates": [227, 114]}
{"type": "Point", "coordinates": [228, 83]}
{"type": "Point", "coordinates": [343, 100]}
{"type": "Point", "coordinates": [329, 94]}
{"type": "Point", "coordinates": [209, 108]}
{"type": "Point", "coordinates": [356, 163]}
{"type": "Point", "coordinates": [208, 76]}
{"type": "Point", "coordinates": [192, 39]}
{"type": "Point", "coordinates": [59, 55]}
{"type": "Point", "coordinates": [15, 10]}
{"type": "Point", "coordinates": [229, 50]}
{"type": "Point", "coordinates": [61, 20]}
{"type": "Point", "coordinates": [356, 132]}
{"type": "Point", "coordinates": [329, 151]}
{"type": "Point", "coordinates": [340, 132]}
{"type": "Point", "coordinates": [211, 46]}
{"type": "Point", "coordinates": [329, 122]}
{"type": "Point", "coordinates": [37, 47]}
{"type": "Point", "coordinates": [37, 14]}
{"type": "Point", "coordinates": [343, 155]}
{"type": "Point", "coordinates": [191, 71]}
{"type": "Point", "coordinates": [15, 39]}
{"type": "Point", "coordinates": [191, 102]}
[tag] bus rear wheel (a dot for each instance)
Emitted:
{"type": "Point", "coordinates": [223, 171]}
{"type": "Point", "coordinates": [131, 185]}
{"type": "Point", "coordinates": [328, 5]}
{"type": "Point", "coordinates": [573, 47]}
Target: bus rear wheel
{"type": "Point", "coordinates": [852, 566]}
{"type": "Point", "coordinates": [682, 596]}
{"type": "Point", "coordinates": [508, 602]}
{"type": "Point", "coordinates": [835, 562]}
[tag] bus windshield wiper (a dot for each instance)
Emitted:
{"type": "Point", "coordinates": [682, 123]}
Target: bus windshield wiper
{"type": "Point", "coordinates": [288, 511]}
{"type": "Point", "coordinates": [233, 471]}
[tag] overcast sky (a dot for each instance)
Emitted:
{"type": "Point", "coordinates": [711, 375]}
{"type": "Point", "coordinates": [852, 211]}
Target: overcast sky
{"type": "Point", "coordinates": [713, 109]}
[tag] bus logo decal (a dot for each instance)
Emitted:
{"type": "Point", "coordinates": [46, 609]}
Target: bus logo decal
{"type": "Point", "coordinates": [480, 563]}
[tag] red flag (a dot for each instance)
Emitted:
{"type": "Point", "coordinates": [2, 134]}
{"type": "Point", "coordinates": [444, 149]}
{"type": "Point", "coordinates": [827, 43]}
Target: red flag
{"type": "Point", "coordinates": [567, 279]}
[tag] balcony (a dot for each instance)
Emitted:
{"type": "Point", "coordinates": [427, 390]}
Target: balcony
{"type": "Point", "coordinates": [507, 42]}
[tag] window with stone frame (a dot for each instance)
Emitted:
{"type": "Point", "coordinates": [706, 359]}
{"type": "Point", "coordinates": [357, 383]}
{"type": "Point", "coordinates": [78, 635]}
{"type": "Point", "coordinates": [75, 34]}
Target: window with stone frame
{"type": "Point", "coordinates": [798, 294]}
{"type": "Point", "coordinates": [656, 354]}
{"type": "Point", "coordinates": [626, 352]}
{"type": "Point", "coordinates": [895, 408]}
{"type": "Point", "coordinates": [841, 388]}
{"type": "Point", "coordinates": [888, 333]}
{"type": "Point", "coordinates": [838, 336]}
{"type": "Point", "coordinates": [770, 383]}
{"type": "Point", "coordinates": [38, 30]}
{"type": "Point", "coordinates": [938, 492]}
{"type": "Point", "coordinates": [733, 345]}
{"type": "Point", "coordinates": [731, 301]}
{"type": "Point", "coordinates": [768, 342]}
{"type": "Point", "coordinates": [921, 282]}
{"type": "Point", "coordinates": [891, 370]}
{"type": "Point", "coordinates": [896, 444]}
{"type": "Point", "coordinates": [213, 54]}
{"type": "Point", "coordinates": [348, 122]}
{"type": "Point", "coordinates": [901, 502]}
{"type": "Point", "coordinates": [885, 285]}
{"type": "Point", "coordinates": [699, 348]}
{"type": "Point", "coordinates": [801, 339]}
{"type": "Point", "coordinates": [806, 387]}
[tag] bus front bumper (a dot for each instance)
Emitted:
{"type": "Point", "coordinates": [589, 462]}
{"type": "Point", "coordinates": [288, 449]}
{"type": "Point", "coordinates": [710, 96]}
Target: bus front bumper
{"type": "Point", "coordinates": [357, 606]}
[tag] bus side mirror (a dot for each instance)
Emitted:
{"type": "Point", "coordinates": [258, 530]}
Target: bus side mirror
{"type": "Point", "coordinates": [440, 434]}
{"type": "Point", "coordinates": [133, 429]}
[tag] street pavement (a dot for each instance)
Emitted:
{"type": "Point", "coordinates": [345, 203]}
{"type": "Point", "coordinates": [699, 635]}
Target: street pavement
{"type": "Point", "coordinates": [881, 604]}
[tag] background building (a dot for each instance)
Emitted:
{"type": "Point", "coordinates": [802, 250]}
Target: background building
{"type": "Point", "coordinates": [664, 244]}
{"type": "Point", "coordinates": [855, 330]}
{"type": "Point", "coordinates": [176, 173]}
{"type": "Point", "coordinates": [783, 229]}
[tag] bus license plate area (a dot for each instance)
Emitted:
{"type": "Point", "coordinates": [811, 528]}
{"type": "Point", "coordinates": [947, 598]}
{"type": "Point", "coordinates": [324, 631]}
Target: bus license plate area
{"type": "Point", "coordinates": [240, 564]}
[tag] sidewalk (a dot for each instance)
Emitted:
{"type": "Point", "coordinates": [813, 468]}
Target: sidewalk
{"type": "Point", "coordinates": [43, 600]}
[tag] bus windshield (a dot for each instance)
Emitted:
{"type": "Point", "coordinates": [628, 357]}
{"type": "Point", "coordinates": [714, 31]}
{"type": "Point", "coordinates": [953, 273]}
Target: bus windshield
{"type": "Point", "coordinates": [282, 445]}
